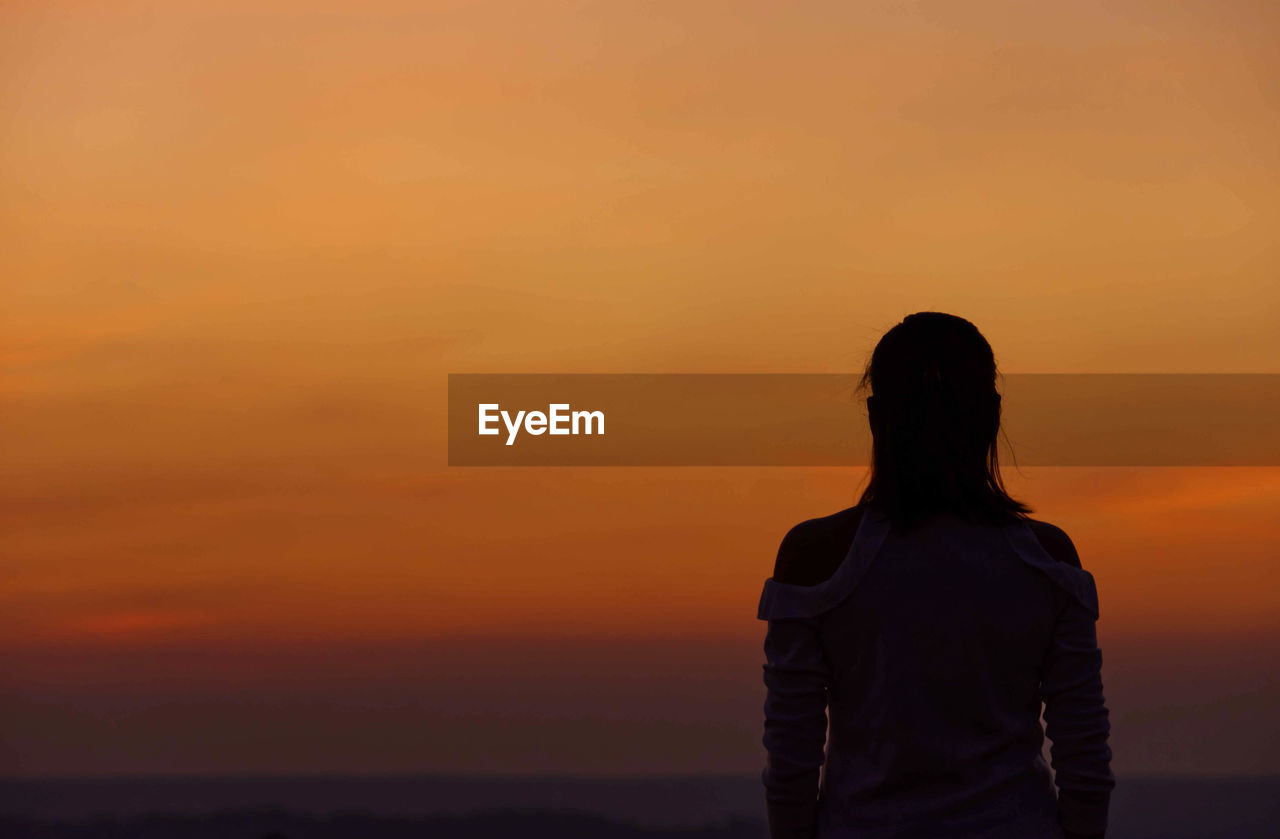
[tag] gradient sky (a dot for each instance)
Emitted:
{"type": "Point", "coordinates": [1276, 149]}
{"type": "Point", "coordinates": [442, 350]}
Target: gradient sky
{"type": "Point", "coordinates": [242, 244]}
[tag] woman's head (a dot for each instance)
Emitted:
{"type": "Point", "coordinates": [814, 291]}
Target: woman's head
{"type": "Point", "coordinates": [935, 416]}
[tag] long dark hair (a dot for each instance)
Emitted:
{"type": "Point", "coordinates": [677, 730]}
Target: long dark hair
{"type": "Point", "coordinates": [935, 418]}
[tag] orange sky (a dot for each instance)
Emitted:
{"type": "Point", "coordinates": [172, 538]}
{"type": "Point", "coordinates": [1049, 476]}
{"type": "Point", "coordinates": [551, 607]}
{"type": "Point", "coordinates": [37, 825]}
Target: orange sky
{"type": "Point", "coordinates": [242, 244]}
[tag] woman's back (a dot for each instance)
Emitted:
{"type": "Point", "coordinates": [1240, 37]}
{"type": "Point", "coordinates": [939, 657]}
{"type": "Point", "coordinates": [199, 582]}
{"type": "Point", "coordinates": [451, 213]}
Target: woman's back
{"type": "Point", "coordinates": [931, 651]}
{"type": "Point", "coordinates": [934, 617]}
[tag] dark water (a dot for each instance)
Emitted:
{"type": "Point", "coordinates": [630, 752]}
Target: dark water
{"type": "Point", "coordinates": [693, 807]}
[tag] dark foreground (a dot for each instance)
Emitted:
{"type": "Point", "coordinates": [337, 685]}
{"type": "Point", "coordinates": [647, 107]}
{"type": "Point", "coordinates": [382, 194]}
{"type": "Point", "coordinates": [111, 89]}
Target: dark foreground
{"type": "Point", "coordinates": [434, 807]}
{"type": "Point", "coordinates": [268, 825]}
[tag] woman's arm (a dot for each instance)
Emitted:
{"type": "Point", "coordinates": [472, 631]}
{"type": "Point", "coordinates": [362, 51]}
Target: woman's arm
{"type": "Point", "coordinates": [795, 726]}
{"type": "Point", "coordinates": [1076, 717]}
{"type": "Point", "coordinates": [796, 674]}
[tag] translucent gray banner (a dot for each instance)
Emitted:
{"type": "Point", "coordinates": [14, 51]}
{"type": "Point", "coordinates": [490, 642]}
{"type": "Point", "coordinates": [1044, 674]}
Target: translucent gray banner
{"type": "Point", "coordinates": [819, 419]}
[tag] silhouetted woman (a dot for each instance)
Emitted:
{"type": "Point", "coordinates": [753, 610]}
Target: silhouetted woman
{"type": "Point", "coordinates": [930, 621]}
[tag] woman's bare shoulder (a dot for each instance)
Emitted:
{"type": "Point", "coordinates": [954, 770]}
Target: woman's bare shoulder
{"type": "Point", "coordinates": [812, 550]}
{"type": "Point", "coordinates": [1056, 541]}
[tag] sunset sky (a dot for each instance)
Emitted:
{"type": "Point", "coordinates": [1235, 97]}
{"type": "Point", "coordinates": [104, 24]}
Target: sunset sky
{"type": "Point", "coordinates": [242, 244]}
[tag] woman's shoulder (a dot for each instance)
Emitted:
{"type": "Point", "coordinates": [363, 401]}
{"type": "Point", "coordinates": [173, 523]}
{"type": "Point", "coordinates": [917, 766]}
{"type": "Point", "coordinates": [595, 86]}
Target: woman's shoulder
{"type": "Point", "coordinates": [812, 550]}
{"type": "Point", "coordinates": [1055, 541]}
{"type": "Point", "coordinates": [1056, 556]}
